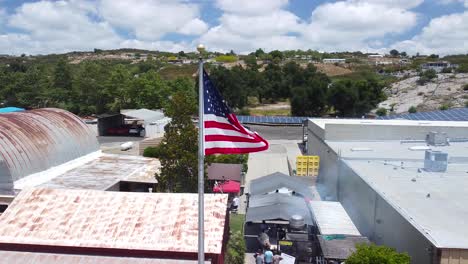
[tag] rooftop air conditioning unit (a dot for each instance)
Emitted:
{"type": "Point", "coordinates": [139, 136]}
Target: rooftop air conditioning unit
{"type": "Point", "coordinates": [435, 161]}
{"type": "Point", "coordinates": [437, 139]}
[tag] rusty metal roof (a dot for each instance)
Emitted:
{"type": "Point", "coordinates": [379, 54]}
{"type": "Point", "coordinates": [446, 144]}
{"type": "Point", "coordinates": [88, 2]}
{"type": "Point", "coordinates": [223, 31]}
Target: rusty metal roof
{"type": "Point", "coordinates": [33, 141]}
{"type": "Point", "coordinates": [9, 257]}
{"type": "Point", "coordinates": [105, 171]}
{"type": "Point", "coordinates": [221, 171]}
{"type": "Point", "coordinates": [113, 220]}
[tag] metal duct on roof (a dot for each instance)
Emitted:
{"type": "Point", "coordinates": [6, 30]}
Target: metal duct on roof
{"type": "Point", "coordinates": [36, 140]}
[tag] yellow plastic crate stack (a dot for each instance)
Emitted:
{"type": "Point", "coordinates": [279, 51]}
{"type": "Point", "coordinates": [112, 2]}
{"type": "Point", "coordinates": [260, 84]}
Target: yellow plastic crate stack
{"type": "Point", "coordinates": [307, 165]}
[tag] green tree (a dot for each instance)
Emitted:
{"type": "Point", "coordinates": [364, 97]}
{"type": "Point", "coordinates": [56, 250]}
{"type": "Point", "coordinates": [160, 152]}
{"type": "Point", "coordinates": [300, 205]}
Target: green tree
{"type": "Point", "coordinates": [62, 82]}
{"type": "Point", "coordinates": [412, 110]}
{"type": "Point", "coordinates": [381, 112]}
{"type": "Point", "coordinates": [310, 97]}
{"type": "Point", "coordinates": [403, 54]}
{"type": "Point", "coordinates": [394, 52]}
{"type": "Point", "coordinates": [372, 254]}
{"type": "Point", "coordinates": [276, 54]}
{"type": "Point", "coordinates": [342, 96]}
{"type": "Point", "coordinates": [259, 53]}
{"type": "Point", "coordinates": [178, 151]}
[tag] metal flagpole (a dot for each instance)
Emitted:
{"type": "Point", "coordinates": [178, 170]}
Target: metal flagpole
{"type": "Point", "coordinates": [201, 164]}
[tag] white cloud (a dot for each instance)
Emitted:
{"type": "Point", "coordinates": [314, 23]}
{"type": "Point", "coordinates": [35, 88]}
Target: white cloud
{"type": "Point", "coordinates": [194, 27]}
{"type": "Point", "coordinates": [256, 7]}
{"type": "Point", "coordinates": [152, 19]}
{"type": "Point", "coordinates": [443, 35]}
{"type": "Point", "coordinates": [352, 25]}
{"type": "Point", "coordinates": [274, 23]}
{"type": "Point", "coordinates": [57, 26]}
{"type": "Point", "coordinates": [247, 25]}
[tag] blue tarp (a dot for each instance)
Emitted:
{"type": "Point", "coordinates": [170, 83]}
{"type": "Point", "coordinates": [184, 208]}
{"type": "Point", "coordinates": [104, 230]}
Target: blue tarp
{"type": "Point", "coordinates": [10, 109]}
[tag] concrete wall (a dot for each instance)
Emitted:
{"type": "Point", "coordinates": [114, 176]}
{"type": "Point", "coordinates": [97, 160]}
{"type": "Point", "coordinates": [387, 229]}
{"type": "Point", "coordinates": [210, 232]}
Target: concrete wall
{"type": "Point", "coordinates": [378, 220]}
{"type": "Point", "coordinates": [328, 172]}
{"type": "Point", "coordinates": [387, 132]}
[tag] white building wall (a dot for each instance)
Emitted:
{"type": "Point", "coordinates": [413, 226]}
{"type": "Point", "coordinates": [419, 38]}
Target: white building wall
{"type": "Point", "coordinates": [378, 220]}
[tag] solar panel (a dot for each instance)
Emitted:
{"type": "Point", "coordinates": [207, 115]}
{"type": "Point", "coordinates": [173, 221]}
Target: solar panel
{"type": "Point", "coordinates": [455, 114]}
{"type": "Point", "coordinates": [272, 119]}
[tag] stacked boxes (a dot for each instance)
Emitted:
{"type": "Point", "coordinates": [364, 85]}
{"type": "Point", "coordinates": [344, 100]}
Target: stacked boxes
{"type": "Point", "coordinates": [307, 165]}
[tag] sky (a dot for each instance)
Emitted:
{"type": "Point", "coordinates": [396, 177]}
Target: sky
{"type": "Point", "coordinates": [424, 26]}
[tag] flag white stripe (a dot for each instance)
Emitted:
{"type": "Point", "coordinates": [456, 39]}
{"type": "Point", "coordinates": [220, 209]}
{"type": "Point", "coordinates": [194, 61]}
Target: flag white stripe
{"type": "Point", "coordinates": [211, 117]}
{"type": "Point", "coordinates": [228, 144]}
{"type": "Point", "coordinates": [224, 132]}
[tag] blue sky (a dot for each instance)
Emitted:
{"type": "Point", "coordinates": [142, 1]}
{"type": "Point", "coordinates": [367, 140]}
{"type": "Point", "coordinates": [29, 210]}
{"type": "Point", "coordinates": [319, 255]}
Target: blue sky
{"type": "Point", "coordinates": [424, 26]}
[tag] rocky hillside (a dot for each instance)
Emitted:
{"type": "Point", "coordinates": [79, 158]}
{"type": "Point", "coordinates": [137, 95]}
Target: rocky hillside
{"type": "Point", "coordinates": [446, 90]}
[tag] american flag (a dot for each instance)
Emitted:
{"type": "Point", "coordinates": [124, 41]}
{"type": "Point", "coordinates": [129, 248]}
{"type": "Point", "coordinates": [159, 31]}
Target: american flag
{"type": "Point", "coordinates": [223, 132]}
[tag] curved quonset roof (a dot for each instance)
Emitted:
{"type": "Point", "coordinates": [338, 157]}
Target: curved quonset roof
{"type": "Point", "coordinates": [36, 140]}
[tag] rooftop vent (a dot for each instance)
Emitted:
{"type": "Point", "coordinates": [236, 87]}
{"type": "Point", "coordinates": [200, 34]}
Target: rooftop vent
{"type": "Point", "coordinates": [437, 139]}
{"type": "Point", "coordinates": [435, 161]}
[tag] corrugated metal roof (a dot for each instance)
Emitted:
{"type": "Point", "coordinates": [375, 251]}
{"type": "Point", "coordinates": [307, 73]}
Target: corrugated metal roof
{"type": "Point", "coordinates": [274, 206]}
{"type": "Point", "coordinates": [273, 198]}
{"type": "Point", "coordinates": [10, 257]}
{"type": "Point", "coordinates": [33, 141]}
{"type": "Point", "coordinates": [144, 114]}
{"type": "Point", "coordinates": [332, 219]}
{"type": "Point", "coordinates": [221, 171]}
{"type": "Point", "coordinates": [278, 212]}
{"type": "Point", "coordinates": [106, 171]}
{"type": "Point", "coordinates": [113, 220]}
{"type": "Point", "coordinates": [279, 180]}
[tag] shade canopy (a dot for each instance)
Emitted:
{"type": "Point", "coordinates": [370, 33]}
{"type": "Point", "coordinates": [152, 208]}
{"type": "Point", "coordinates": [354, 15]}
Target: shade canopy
{"type": "Point", "coordinates": [227, 187]}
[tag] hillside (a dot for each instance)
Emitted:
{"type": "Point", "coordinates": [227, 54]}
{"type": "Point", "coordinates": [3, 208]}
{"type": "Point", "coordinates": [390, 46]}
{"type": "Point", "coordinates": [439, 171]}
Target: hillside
{"type": "Point", "coordinates": [447, 90]}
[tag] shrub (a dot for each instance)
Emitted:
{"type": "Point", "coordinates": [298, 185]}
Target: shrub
{"type": "Point", "coordinates": [429, 74]}
{"type": "Point", "coordinates": [444, 107]}
{"type": "Point", "coordinates": [422, 80]}
{"type": "Point", "coordinates": [381, 112]}
{"type": "Point", "coordinates": [465, 87]}
{"type": "Point", "coordinates": [463, 68]}
{"type": "Point", "coordinates": [236, 249]}
{"type": "Point", "coordinates": [466, 103]}
{"type": "Point", "coordinates": [373, 254]}
{"type": "Point", "coordinates": [151, 152]}
{"type": "Point", "coordinates": [412, 109]}
{"type": "Point", "coordinates": [446, 70]}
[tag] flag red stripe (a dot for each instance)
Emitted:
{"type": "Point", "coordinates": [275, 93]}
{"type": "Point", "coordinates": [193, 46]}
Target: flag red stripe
{"type": "Point", "coordinates": [214, 124]}
{"type": "Point", "coordinates": [233, 150]}
{"type": "Point", "coordinates": [209, 138]}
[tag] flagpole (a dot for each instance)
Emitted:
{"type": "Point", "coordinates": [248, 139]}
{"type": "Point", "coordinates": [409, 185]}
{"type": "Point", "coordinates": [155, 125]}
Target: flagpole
{"type": "Point", "coordinates": [201, 164]}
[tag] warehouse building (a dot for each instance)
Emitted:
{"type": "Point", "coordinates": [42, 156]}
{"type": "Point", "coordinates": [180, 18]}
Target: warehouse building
{"type": "Point", "coordinates": [403, 183]}
{"type": "Point", "coordinates": [134, 122]}
{"type": "Point", "coordinates": [54, 148]}
{"type": "Point", "coordinates": [112, 226]}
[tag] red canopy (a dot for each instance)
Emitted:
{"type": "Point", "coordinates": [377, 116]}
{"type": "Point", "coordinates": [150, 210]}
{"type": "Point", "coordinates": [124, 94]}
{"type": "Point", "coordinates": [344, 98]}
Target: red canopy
{"type": "Point", "coordinates": [227, 187]}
